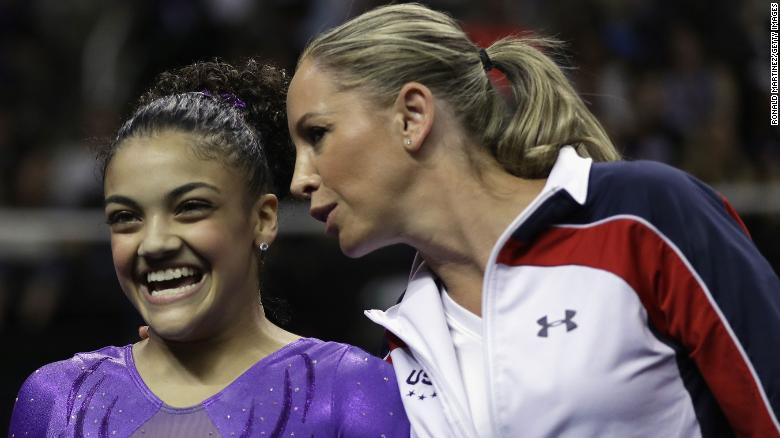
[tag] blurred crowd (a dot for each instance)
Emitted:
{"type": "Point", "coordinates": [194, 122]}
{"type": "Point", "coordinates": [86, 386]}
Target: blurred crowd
{"type": "Point", "coordinates": [681, 82]}
{"type": "Point", "coordinates": [686, 83]}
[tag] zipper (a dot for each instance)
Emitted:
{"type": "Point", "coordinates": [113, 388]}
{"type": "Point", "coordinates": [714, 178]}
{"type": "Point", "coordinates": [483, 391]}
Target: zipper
{"type": "Point", "coordinates": [380, 318]}
{"type": "Point", "coordinates": [487, 297]}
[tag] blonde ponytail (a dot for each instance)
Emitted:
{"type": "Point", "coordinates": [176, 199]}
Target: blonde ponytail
{"type": "Point", "coordinates": [383, 49]}
{"type": "Point", "coordinates": [547, 115]}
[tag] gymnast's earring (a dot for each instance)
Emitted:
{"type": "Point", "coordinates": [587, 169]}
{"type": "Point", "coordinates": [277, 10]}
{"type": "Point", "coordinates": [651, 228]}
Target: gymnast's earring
{"type": "Point", "coordinates": [262, 247]}
{"type": "Point", "coordinates": [408, 141]}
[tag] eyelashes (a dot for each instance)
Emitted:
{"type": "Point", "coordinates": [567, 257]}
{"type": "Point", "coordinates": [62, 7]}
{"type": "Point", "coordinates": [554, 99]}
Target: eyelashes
{"type": "Point", "coordinates": [314, 134]}
{"type": "Point", "coordinates": [193, 206]}
{"type": "Point", "coordinates": [191, 209]}
{"type": "Point", "coordinates": [120, 217]}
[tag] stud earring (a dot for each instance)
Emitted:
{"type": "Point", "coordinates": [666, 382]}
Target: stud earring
{"type": "Point", "coordinates": [262, 247]}
{"type": "Point", "coordinates": [408, 141]}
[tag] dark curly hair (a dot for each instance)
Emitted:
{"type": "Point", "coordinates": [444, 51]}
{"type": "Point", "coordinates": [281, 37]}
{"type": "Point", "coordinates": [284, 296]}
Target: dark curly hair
{"type": "Point", "coordinates": [239, 111]}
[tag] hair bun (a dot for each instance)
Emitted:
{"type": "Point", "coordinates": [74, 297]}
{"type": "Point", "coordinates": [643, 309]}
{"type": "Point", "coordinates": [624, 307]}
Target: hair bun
{"type": "Point", "coordinates": [257, 89]}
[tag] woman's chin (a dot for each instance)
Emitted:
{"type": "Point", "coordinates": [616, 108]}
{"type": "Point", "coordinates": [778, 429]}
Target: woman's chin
{"type": "Point", "coordinates": [176, 328]}
{"type": "Point", "coordinates": [355, 248]}
{"type": "Point", "coordinates": [172, 332]}
{"type": "Point", "coordinates": [351, 252]}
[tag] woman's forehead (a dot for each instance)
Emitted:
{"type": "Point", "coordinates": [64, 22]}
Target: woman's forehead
{"type": "Point", "coordinates": [310, 89]}
{"type": "Point", "coordinates": [314, 91]}
{"type": "Point", "coordinates": [165, 159]}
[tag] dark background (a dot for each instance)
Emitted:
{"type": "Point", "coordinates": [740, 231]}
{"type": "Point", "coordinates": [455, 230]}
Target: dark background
{"type": "Point", "coordinates": [686, 83]}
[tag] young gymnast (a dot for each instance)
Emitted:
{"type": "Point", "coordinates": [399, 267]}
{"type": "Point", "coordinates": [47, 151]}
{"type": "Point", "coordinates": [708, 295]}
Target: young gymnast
{"type": "Point", "coordinates": [189, 201]}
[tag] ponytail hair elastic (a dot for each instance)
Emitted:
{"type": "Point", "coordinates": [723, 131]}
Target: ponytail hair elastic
{"type": "Point", "coordinates": [487, 63]}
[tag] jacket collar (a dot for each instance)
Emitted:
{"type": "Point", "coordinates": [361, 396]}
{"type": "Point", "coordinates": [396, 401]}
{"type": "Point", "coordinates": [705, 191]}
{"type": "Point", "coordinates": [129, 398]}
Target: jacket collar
{"type": "Point", "coordinates": [571, 173]}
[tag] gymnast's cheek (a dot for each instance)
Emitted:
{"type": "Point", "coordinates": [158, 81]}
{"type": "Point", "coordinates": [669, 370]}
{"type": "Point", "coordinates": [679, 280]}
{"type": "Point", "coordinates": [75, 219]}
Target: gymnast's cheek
{"type": "Point", "coordinates": [123, 251]}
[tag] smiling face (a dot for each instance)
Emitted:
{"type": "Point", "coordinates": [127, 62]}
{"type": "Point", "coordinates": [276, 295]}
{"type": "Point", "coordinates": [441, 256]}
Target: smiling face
{"type": "Point", "coordinates": [350, 161]}
{"type": "Point", "coordinates": [183, 236]}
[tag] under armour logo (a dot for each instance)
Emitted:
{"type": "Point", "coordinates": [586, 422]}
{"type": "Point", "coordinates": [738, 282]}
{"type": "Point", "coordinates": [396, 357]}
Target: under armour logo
{"type": "Point", "coordinates": [570, 325]}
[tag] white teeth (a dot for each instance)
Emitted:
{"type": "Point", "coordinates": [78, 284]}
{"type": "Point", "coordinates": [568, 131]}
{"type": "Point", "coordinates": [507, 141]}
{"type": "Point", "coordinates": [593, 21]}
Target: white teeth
{"type": "Point", "coordinates": [173, 291]}
{"type": "Point", "coordinates": [169, 274]}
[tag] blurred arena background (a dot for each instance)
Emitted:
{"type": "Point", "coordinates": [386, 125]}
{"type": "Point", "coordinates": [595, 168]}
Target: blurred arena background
{"type": "Point", "coordinates": [686, 83]}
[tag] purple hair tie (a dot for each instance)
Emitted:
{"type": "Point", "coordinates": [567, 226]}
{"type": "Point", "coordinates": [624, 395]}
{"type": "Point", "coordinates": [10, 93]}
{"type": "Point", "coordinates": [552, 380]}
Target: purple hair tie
{"type": "Point", "coordinates": [229, 98]}
{"type": "Point", "coordinates": [233, 100]}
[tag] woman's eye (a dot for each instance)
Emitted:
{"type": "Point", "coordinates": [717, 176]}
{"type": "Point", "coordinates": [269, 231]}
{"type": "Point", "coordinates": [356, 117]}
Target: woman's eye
{"type": "Point", "coordinates": [193, 207]}
{"type": "Point", "coordinates": [121, 217]}
{"type": "Point", "coordinates": [315, 133]}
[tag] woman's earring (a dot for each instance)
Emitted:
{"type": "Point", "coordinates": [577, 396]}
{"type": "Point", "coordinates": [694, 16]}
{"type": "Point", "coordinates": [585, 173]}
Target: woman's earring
{"type": "Point", "coordinates": [408, 141]}
{"type": "Point", "coordinates": [262, 247]}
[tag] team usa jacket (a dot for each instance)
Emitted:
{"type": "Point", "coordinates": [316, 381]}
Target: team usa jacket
{"type": "Point", "coordinates": [627, 300]}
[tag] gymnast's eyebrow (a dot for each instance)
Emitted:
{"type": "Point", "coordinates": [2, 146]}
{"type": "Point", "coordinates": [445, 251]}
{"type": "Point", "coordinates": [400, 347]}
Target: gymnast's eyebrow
{"type": "Point", "coordinates": [175, 193]}
{"type": "Point", "coordinates": [178, 191]}
{"type": "Point", "coordinates": [119, 199]}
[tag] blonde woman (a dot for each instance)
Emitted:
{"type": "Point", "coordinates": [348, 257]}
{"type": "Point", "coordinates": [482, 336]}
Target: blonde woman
{"type": "Point", "coordinates": [557, 291]}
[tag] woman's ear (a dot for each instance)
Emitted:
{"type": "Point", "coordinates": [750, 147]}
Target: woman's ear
{"type": "Point", "coordinates": [414, 112]}
{"type": "Point", "coordinates": [265, 214]}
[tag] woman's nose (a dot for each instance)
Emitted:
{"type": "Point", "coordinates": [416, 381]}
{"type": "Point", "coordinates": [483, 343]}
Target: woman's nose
{"type": "Point", "coordinates": [305, 180]}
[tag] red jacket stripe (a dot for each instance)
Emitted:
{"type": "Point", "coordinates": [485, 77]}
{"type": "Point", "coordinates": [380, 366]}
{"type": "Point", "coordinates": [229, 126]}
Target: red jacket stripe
{"type": "Point", "coordinates": [677, 301]}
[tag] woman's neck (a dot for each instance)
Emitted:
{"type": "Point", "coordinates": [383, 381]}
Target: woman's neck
{"type": "Point", "coordinates": [461, 223]}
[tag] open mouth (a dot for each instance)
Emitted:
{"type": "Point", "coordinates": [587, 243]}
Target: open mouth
{"type": "Point", "coordinates": [172, 281]}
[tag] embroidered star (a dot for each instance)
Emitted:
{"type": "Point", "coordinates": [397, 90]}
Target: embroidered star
{"type": "Point", "coordinates": [411, 393]}
{"type": "Point", "coordinates": [422, 397]}
{"type": "Point", "coordinates": [433, 395]}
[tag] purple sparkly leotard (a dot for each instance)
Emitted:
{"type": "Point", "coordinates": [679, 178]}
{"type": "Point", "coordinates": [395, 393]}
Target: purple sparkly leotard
{"type": "Point", "coordinates": [309, 388]}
